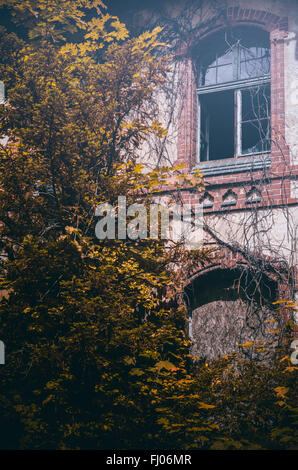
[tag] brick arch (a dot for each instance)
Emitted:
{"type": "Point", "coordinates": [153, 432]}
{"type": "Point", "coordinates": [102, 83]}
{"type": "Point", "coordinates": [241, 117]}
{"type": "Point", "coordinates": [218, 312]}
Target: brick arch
{"type": "Point", "coordinates": [232, 263]}
{"type": "Point", "coordinates": [236, 16]}
{"type": "Point", "coordinates": [250, 16]}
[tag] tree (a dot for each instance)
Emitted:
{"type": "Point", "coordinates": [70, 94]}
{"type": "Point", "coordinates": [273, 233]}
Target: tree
{"type": "Point", "coordinates": [92, 340]}
{"type": "Point", "coordinates": [96, 350]}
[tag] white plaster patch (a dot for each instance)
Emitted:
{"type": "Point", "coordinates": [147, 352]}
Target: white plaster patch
{"type": "Point", "coordinates": [294, 189]}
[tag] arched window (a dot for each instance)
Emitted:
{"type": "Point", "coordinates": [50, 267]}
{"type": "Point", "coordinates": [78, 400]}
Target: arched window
{"type": "Point", "coordinates": [233, 75]}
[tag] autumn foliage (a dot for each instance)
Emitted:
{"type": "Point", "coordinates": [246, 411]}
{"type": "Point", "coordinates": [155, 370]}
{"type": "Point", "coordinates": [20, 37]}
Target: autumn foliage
{"type": "Point", "coordinates": [95, 331]}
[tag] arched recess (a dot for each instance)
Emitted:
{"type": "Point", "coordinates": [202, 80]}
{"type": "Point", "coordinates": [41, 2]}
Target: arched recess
{"type": "Point", "coordinates": [231, 304]}
{"type": "Point", "coordinates": [223, 283]}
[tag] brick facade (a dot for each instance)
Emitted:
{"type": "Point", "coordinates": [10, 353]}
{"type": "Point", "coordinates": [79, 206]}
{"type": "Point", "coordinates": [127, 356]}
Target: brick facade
{"type": "Point", "coordinates": [281, 172]}
{"type": "Point", "coordinates": [240, 190]}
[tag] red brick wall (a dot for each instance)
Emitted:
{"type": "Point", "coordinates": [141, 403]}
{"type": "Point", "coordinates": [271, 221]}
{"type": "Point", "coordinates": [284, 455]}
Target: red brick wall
{"type": "Point", "coordinates": [188, 115]}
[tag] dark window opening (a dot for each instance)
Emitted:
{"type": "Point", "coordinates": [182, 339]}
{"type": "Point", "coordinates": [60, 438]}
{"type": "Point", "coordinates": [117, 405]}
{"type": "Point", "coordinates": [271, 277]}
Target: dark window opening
{"type": "Point", "coordinates": [234, 94]}
{"type": "Point", "coordinates": [256, 103]}
{"type": "Point", "coordinates": [217, 125]}
{"type": "Point", "coordinates": [255, 137]}
{"type": "Point", "coordinates": [255, 120]}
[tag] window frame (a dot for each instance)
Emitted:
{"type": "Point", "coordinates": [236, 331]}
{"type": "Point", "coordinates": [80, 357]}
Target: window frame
{"type": "Point", "coordinates": [238, 85]}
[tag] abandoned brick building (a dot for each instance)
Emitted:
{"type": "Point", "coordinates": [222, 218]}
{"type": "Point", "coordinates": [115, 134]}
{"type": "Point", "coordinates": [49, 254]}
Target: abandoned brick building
{"type": "Point", "coordinates": [230, 108]}
{"type": "Point", "coordinates": [233, 115]}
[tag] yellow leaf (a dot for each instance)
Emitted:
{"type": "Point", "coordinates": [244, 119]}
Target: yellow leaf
{"type": "Point", "coordinates": [165, 365]}
{"type": "Point", "coordinates": [205, 406]}
{"type": "Point", "coordinates": [281, 391]}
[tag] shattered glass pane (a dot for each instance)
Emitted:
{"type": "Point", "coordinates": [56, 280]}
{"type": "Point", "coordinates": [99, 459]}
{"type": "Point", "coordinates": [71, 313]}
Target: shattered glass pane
{"type": "Point", "coordinates": [256, 103]}
{"type": "Point", "coordinates": [255, 137]}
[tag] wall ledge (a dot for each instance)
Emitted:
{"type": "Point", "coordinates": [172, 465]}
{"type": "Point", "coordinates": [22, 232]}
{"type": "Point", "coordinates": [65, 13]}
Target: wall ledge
{"type": "Point", "coordinates": [236, 165]}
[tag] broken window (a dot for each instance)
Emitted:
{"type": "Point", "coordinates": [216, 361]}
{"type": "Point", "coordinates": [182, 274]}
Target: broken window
{"type": "Point", "coordinates": [234, 94]}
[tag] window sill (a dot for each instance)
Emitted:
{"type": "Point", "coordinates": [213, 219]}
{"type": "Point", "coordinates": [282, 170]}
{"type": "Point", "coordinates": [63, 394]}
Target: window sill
{"type": "Point", "coordinates": [234, 165]}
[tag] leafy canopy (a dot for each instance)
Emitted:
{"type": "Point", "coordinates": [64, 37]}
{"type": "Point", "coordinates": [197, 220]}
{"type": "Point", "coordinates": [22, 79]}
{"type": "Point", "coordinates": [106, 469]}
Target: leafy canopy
{"type": "Point", "coordinates": [96, 350]}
